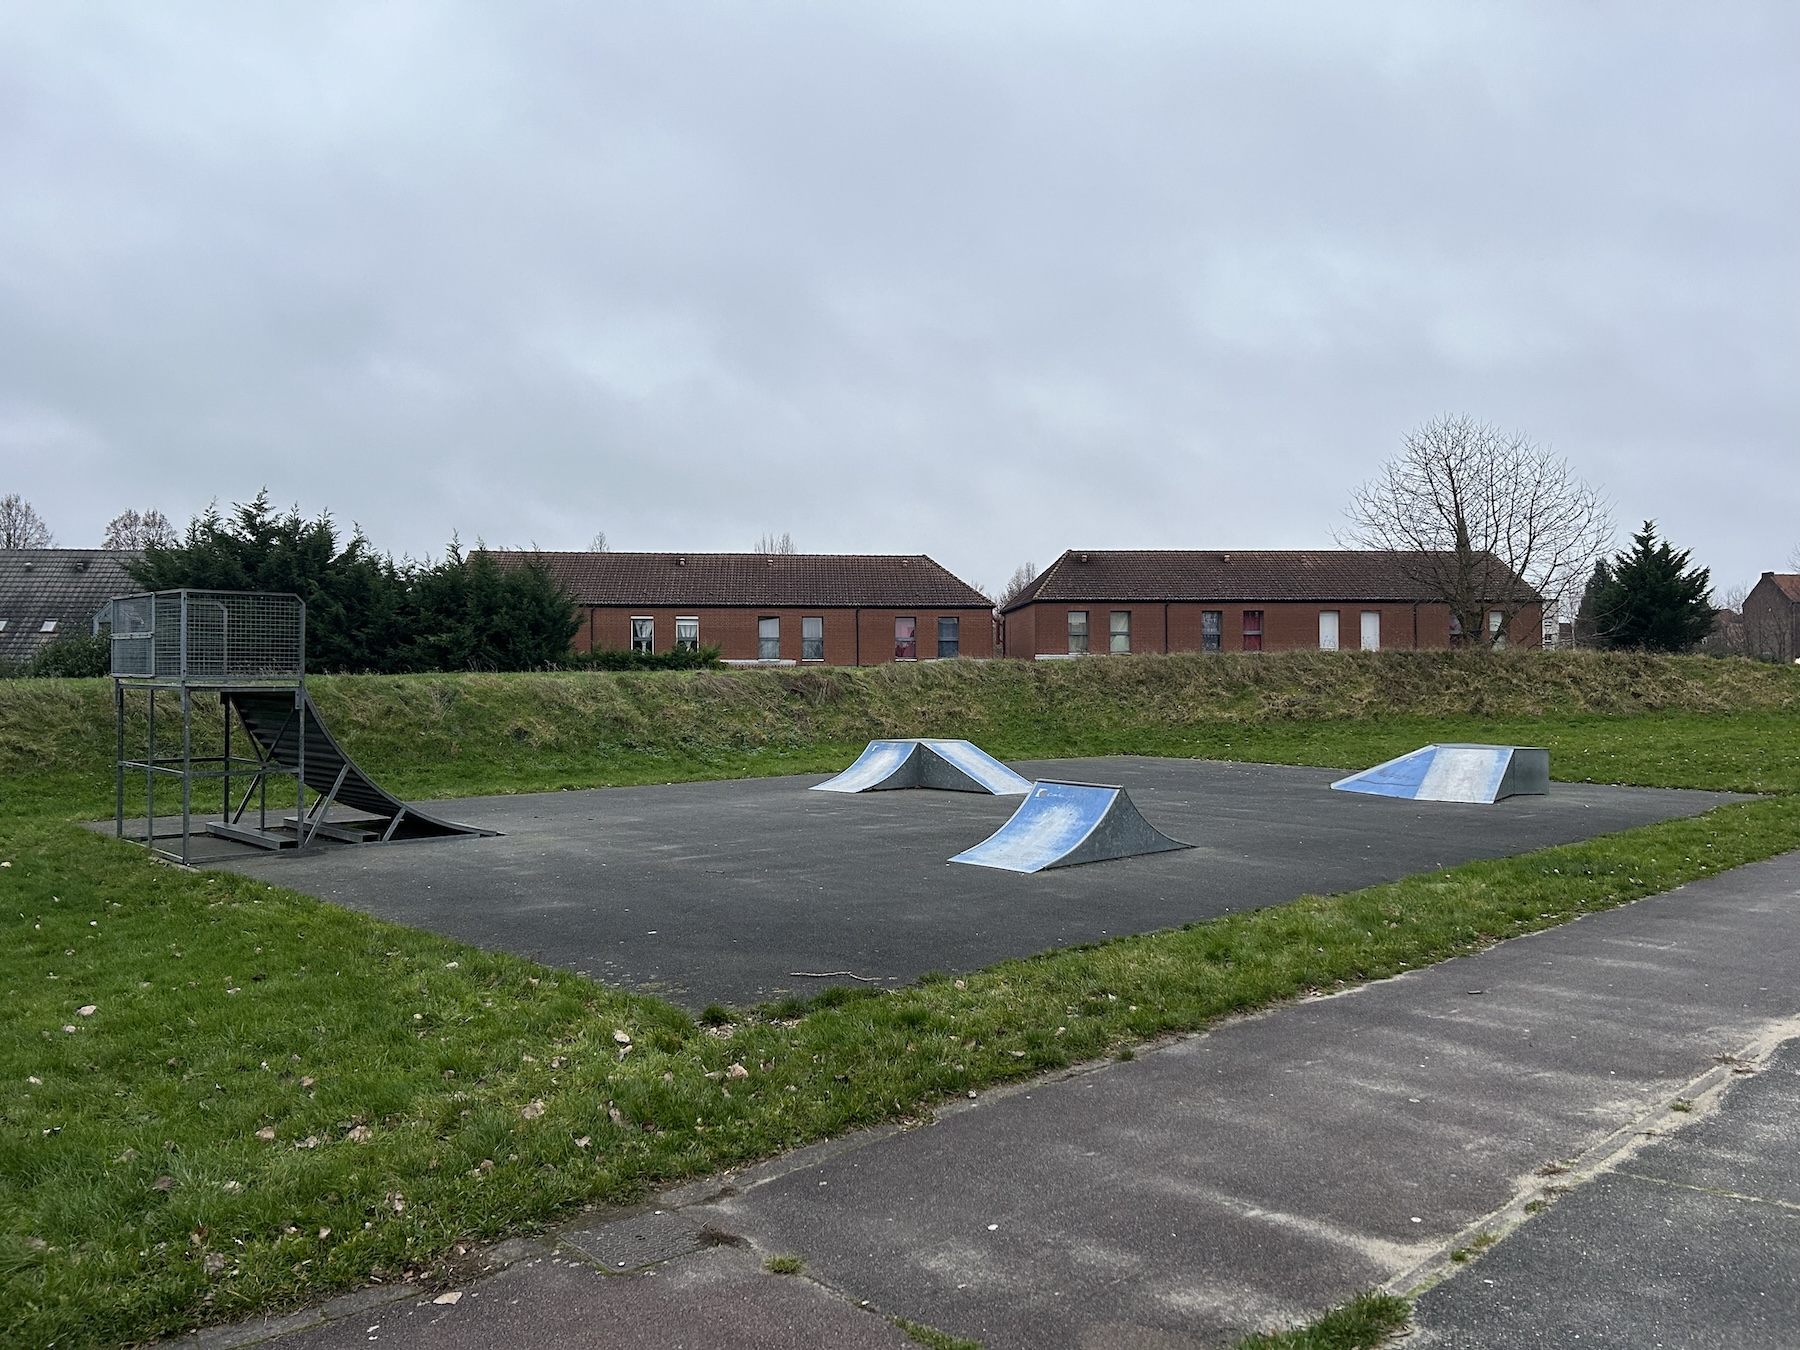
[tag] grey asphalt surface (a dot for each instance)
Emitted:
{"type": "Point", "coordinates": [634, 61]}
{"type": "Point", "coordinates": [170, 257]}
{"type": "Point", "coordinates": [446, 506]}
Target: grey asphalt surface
{"type": "Point", "coordinates": [1254, 1176]}
{"type": "Point", "coordinates": [1693, 1242]}
{"type": "Point", "coordinates": [720, 892]}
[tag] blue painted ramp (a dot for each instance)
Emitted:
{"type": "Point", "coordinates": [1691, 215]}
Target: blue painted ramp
{"type": "Point", "coordinates": [1457, 773]}
{"type": "Point", "coordinates": [1065, 824]}
{"type": "Point", "coordinates": [955, 766]}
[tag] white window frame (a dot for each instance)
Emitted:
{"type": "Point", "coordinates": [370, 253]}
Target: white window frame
{"type": "Point", "coordinates": [1078, 640]}
{"type": "Point", "coordinates": [691, 642]}
{"type": "Point", "coordinates": [913, 619]}
{"type": "Point", "coordinates": [812, 648]}
{"type": "Point", "coordinates": [1370, 636]}
{"type": "Point", "coordinates": [649, 635]}
{"type": "Point", "coordinates": [1114, 632]}
{"type": "Point", "coordinates": [1496, 618]}
{"type": "Point", "coordinates": [1329, 628]}
{"type": "Point", "coordinates": [768, 631]}
{"type": "Point", "coordinates": [1218, 631]}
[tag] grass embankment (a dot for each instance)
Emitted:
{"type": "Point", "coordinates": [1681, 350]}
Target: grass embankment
{"type": "Point", "coordinates": [218, 1097]}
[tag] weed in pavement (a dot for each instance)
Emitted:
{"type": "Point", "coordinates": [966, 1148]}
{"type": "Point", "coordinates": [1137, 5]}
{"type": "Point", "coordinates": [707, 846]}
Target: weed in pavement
{"type": "Point", "coordinates": [1361, 1324]}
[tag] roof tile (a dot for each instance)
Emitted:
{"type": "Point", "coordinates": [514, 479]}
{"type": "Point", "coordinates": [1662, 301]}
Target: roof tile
{"type": "Point", "coordinates": [766, 580]}
{"type": "Point", "coordinates": [1206, 574]}
{"type": "Point", "coordinates": [65, 584]}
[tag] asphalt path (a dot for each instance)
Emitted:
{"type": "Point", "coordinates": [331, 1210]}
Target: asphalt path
{"type": "Point", "coordinates": [1251, 1177]}
{"type": "Point", "coordinates": [1689, 1243]}
{"type": "Point", "coordinates": [741, 891]}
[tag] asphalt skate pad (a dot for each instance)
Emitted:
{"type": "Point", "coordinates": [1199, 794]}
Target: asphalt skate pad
{"type": "Point", "coordinates": [1066, 824]}
{"type": "Point", "coordinates": [1457, 773]}
{"type": "Point", "coordinates": [921, 762]}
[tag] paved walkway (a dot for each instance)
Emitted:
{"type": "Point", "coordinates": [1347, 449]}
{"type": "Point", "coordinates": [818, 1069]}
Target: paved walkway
{"type": "Point", "coordinates": [1233, 1181]}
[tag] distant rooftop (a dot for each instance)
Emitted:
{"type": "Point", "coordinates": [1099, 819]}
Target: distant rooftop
{"type": "Point", "coordinates": [63, 587]}
{"type": "Point", "coordinates": [757, 580]}
{"type": "Point", "coordinates": [1274, 575]}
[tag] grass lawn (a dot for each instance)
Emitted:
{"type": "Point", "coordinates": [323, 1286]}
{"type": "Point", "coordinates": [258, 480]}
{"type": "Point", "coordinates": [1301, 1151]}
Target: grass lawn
{"type": "Point", "coordinates": [218, 1097]}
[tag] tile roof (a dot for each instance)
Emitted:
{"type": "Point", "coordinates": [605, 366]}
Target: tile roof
{"type": "Point", "coordinates": [66, 585]}
{"type": "Point", "coordinates": [761, 580]}
{"type": "Point", "coordinates": [1203, 574]}
{"type": "Point", "coordinates": [1788, 583]}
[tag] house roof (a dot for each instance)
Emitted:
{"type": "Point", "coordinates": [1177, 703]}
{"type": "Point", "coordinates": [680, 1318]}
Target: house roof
{"type": "Point", "coordinates": [1788, 583]}
{"type": "Point", "coordinates": [760, 580]}
{"type": "Point", "coordinates": [1204, 574]}
{"type": "Point", "coordinates": [63, 585]}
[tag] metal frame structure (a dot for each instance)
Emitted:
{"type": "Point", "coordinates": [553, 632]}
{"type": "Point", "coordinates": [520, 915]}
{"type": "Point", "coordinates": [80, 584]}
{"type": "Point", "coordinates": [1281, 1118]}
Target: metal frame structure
{"type": "Point", "coordinates": [191, 642]}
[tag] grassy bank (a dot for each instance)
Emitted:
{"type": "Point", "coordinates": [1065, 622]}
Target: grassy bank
{"type": "Point", "coordinates": [452, 735]}
{"type": "Point", "coordinates": [219, 1097]}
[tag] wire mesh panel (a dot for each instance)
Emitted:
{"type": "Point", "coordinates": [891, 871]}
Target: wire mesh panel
{"type": "Point", "coordinates": [208, 636]}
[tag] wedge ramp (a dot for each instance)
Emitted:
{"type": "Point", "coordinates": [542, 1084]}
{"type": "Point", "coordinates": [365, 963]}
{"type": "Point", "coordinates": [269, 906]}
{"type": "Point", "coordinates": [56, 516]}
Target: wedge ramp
{"type": "Point", "coordinates": [289, 733]}
{"type": "Point", "coordinates": [923, 762]}
{"type": "Point", "coordinates": [1066, 824]}
{"type": "Point", "coordinates": [1457, 773]}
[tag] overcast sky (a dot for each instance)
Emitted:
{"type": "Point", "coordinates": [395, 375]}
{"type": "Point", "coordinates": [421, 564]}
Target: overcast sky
{"type": "Point", "coordinates": [980, 280]}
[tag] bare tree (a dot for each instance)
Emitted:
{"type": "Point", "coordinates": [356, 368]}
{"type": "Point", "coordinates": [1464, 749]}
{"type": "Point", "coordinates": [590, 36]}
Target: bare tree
{"type": "Point", "coordinates": [599, 544]}
{"type": "Point", "coordinates": [21, 526]}
{"type": "Point", "coordinates": [129, 530]}
{"type": "Point", "coordinates": [1023, 575]}
{"type": "Point", "coordinates": [775, 543]}
{"type": "Point", "coordinates": [1473, 511]}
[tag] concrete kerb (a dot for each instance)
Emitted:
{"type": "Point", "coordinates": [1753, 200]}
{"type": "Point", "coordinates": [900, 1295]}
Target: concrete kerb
{"type": "Point", "coordinates": [1537, 1190]}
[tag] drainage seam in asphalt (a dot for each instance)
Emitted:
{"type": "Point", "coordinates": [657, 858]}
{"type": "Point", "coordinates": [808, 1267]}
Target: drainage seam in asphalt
{"type": "Point", "coordinates": [1704, 1093]}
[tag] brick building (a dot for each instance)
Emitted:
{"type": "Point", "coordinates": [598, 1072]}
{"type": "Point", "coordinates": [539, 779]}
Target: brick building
{"type": "Point", "coordinates": [1771, 617]}
{"type": "Point", "coordinates": [792, 608]}
{"type": "Point", "coordinates": [51, 593]}
{"type": "Point", "coordinates": [1097, 601]}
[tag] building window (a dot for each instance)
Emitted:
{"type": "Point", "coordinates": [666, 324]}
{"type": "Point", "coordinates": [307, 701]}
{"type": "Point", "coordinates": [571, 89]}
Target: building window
{"type": "Point", "coordinates": [1371, 630]}
{"type": "Point", "coordinates": [1253, 630]}
{"type": "Point", "coordinates": [768, 639]}
{"type": "Point", "coordinates": [949, 636]}
{"type": "Point", "coordinates": [643, 635]}
{"type": "Point", "coordinates": [49, 626]}
{"type": "Point", "coordinates": [1328, 630]}
{"type": "Point", "coordinates": [687, 635]}
{"type": "Point", "coordinates": [1496, 619]}
{"type": "Point", "coordinates": [1119, 632]}
{"type": "Point", "coordinates": [906, 639]}
{"type": "Point", "coordinates": [1078, 635]}
{"type": "Point", "coordinates": [2, 625]}
{"type": "Point", "coordinates": [812, 638]}
{"type": "Point", "coordinates": [1212, 629]}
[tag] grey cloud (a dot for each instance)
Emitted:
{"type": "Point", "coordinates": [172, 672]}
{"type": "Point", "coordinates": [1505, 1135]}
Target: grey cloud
{"type": "Point", "coordinates": [984, 280]}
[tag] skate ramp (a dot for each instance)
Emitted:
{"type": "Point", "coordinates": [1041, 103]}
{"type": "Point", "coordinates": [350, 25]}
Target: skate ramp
{"type": "Point", "coordinates": [276, 724]}
{"type": "Point", "coordinates": [1066, 824]}
{"type": "Point", "coordinates": [919, 762]}
{"type": "Point", "coordinates": [1457, 773]}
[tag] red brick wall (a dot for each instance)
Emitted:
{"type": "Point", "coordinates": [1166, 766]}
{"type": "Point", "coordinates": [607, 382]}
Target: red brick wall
{"type": "Point", "coordinates": [852, 637]}
{"type": "Point", "coordinates": [1042, 628]}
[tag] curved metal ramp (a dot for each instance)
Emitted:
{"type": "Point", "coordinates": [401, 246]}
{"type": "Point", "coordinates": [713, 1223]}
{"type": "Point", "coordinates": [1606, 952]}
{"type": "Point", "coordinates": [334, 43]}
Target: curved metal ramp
{"type": "Point", "coordinates": [923, 762]}
{"type": "Point", "coordinates": [1066, 824]}
{"type": "Point", "coordinates": [1457, 773]}
{"type": "Point", "coordinates": [277, 721]}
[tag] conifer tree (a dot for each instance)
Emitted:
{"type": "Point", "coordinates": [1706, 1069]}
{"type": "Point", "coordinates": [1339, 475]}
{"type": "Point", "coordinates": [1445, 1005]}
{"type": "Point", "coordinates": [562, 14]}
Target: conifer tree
{"type": "Point", "coordinates": [1654, 601]}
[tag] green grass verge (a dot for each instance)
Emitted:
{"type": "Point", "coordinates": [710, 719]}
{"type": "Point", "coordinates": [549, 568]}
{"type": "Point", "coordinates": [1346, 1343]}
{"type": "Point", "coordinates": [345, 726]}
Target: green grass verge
{"type": "Point", "coordinates": [1361, 1324]}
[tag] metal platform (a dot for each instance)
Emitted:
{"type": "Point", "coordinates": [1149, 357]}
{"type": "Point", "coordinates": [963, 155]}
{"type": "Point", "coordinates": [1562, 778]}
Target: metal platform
{"type": "Point", "coordinates": [924, 762]}
{"type": "Point", "coordinates": [1066, 824]}
{"type": "Point", "coordinates": [1457, 773]}
{"type": "Point", "coordinates": [247, 651]}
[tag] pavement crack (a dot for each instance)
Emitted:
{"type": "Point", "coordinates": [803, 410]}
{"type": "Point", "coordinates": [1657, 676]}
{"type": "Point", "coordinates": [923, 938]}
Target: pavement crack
{"type": "Point", "coordinates": [1712, 1190]}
